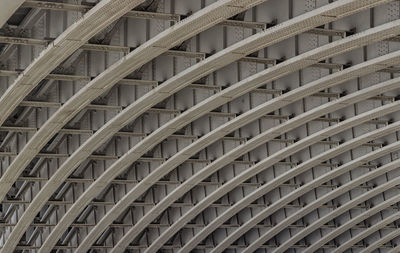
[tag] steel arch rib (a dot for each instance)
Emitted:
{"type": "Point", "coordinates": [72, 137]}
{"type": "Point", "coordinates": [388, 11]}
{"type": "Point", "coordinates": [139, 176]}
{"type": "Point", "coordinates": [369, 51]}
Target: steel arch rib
{"type": "Point", "coordinates": [104, 179]}
{"type": "Point", "coordinates": [239, 151]}
{"type": "Point", "coordinates": [8, 7]}
{"type": "Point", "coordinates": [271, 160]}
{"type": "Point", "coordinates": [335, 193]}
{"type": "Point", "coordinates": [225, 129]}
{"type": "Point", "coordinates": [379, 226]}
{"type": "Point", "coordinates": [381, 206]}
{"type": "Point", "coordinates": [354, 221]}
{"type": "Point", "coordinates": [395, 249]}
{"type": "Point", "coordinates": [392, 235]}
{"type": "Point", "coordinates": [230, 54]}
{"type": "Point", "coordinates": [320, 180]}
{"type": "Point", "coordinates": [95, 20]}
{"type": "Point", "coordinates": [165, 168]}
{"type": "Point", "coordinates": [196, 23]}
{"type": "Point", "coordinates": [107, 79]}
{"type": "Point", "coordinates": [351, 204]}
{"type": "Point", "coordinates": [326, 108]}
{"type": "Point", "coordinates": [371, 212]}
{"type": "Point", "coordinates": [328, 217]}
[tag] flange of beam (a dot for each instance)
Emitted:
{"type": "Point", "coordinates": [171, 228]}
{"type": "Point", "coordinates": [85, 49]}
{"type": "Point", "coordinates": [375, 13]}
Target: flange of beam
{"type": "Point", "coordinates": [377, 244]}
{"type": "Point", "coordinates": [266, 163]}
{"type": "Point", "coordinates": [368, 213]}
{"type": "Point", "coordinates": [263, 138]}
{"type": "Point", "coordinates": [174, 127]}
{"type": "Point", "coordinates": [358, 219]}
{"type": "Point", "coordinates": [85, 8]}
{"type": "Point", "coordinates": [262, 109]}
{"type": "Point", "coordinates": [99, 17]}
{"type": "Point", "coordinates": [395, 249]}
{"type": "Point", "coordinates": [335, 213]}
{"type": "Point", "coordinates": [8, 7]}
{"type": "Point", "coordinates": [200, 21]}
{"type": "Point", "coordinates": [309, 186]}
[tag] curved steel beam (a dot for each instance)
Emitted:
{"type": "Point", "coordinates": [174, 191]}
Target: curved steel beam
{"type": "Point", "coordinates": [354, 221]}
{"type": "Point", "coordinates": [380, 207]}
{"type": "Point", "coordinates": [8, 7]}
{"type": "Point", "coordinates": [271, 160]}
{"type": "Point", "coordinates": [345, 207]}
{"type": "Point", "coordinates": [324, 109]}
{"type": "Point", "coordinates": [241, 150]}
{"type": "Point", "coordinates": [395, 249]}
{"type": "Point", "coordinates": [366, 67]}
{"type": "Point", "coordinates": [95, 20]}
{"type": "Point", "coordinates": [333, 214]}
{"type": "Point", "coordinates": [164, 131]}
{"type": "Point", "coordinates": [214, 135]}
{"type": "Point", "coordinates": [220, 59]}
{"type": "Point", "coordinates": [183, 30]}
{"type": "Point", "coordinates": [383, 240]}
{"type": "Point", "coordinates": [152, 48]}
{"type": "Point", "coordinates": [333, 194]}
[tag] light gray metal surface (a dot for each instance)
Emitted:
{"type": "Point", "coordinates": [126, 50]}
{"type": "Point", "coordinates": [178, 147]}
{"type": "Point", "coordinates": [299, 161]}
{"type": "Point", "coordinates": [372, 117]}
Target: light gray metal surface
{"type": "Point", "coordinates": [163, 132]}
{"type": "Point", "coordinates": [200, 126]}
{"type": "Point", "coordinates": [8, 7]}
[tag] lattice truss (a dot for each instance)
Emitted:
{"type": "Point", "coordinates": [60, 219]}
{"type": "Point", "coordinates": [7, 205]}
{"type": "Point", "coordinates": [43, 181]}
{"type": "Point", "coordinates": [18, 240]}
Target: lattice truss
{"type": "Point", "coordinates": [199, 126]}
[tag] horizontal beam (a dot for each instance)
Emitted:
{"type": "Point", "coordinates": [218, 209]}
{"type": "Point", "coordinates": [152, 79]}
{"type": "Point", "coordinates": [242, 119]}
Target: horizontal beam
{"type": "Point", "coordinates": [171, 17]}
{"type": "Point", "coordinates": [85, 8]}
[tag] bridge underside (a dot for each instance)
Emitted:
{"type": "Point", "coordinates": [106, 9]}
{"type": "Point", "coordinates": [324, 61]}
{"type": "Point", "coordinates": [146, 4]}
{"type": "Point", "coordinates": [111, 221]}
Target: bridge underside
{"type": "Point", "coordinates": [199, 126]}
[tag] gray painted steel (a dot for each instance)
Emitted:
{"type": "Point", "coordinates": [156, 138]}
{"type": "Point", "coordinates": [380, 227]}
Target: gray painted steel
{"type": "Point", "coordinates": [199, 126]}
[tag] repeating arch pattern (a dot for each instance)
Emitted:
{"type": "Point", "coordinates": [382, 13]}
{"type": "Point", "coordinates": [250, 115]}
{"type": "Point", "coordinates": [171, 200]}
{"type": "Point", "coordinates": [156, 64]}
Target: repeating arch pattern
{"type": "Point", "coordinates": [92, 169]}
{"type": "Point", "coordinates": [343, 208]}
{"type": "Point", "coordinates": [382, 241]}
{"type": "Point", "coordinates": [68, 42]}
{"type": "Point", "coordinates": [270, 186]}
{"type": "Point", "coordinates": [263, 190]}
{"type": "Point", "coordinates": [307, 209]}
{"type": "Point", "coordinates": [205, 18]}
{"type": "Point", "coordinates": [329, 80]}
{"type": "Point", "coordinates": [194, 113]}
{"type": "Point", "coordinates": [376, 227]}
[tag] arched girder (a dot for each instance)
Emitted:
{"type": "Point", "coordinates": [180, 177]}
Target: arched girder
{"type": "Point", "coordinates": [189, 151]}
{"type": "Point", "coordinates": [17, 131]}
{"type": "Point", "coordinates": [95, 20]}
{"type": "Point", "coordinates": [117, 210]}
{"type": "Point", "coordinates": [318, 223]}
{"type": "Point", "coordinates": [381, 206]}
{"type": "Point", "coordinates": [395, 249]}
{"type": "Point", "coordinates": [183, 30]}
{"type": "Point", "coordinates": [256, 42]}
{"type": "Point", "coordinates": [354, 221]}
{"type": "Point", "coordinates": [363, 68]}
{"type": "Point", "coordinates": [320, 180]}
{"type": "Point", "coordinates": [392, 235]}
{"type": "Point", "coordinates": [251, 144]}
{"type": "Point", "coordinates": [227, 214]}
{"type": "Point", "coordinates": [271, 160]}
{"type": "Point", "coordinates": [8, 7]}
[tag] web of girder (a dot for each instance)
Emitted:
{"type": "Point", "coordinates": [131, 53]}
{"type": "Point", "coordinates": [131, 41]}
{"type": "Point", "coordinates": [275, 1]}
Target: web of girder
{"type": "Point", "coordinates": [71, 166]}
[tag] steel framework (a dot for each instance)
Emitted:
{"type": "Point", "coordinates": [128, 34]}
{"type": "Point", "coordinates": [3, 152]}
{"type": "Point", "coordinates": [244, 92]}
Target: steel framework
{"type": "Point", "coordinates": [199, 126]}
